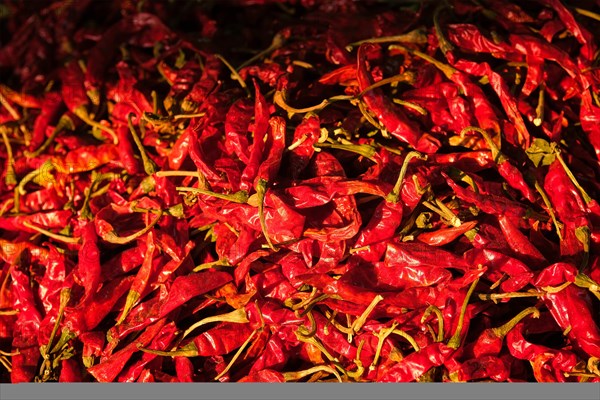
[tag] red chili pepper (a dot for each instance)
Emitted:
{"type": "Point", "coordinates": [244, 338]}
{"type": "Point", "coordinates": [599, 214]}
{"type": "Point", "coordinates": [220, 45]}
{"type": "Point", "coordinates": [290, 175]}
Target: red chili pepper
{"type": "Point", "coordinates": [469, 37]}
{"type": "Point", "coordinates": [561, 360]}
{"type": "Point", "coordinates": [571, 310]}
{"type": "Point", "coordinates": [519, 243]}
{"type": "Point", "coordinates": [261, 126]}
{"type": "Point", "coordinates": [506, 98]}
{"type": "Point", "coordinates": [444, 236]}
{"type": "Point", "coordinates": [491, 204]}
{"type": "Point", "coordinates": [75, 97]}
{"type": "Point", "coordinates": [306, 243]}
{"type": "Point", "coordinates": [79, 319]}
{"type": "Point", "coordinates": [582, 35]}
{"type": "Point", "coordinates": [25, 330]}
{"type": "Point", "coordinates": [390, 115]}
{"type": "Point", "coordinates": [50, 110]}
{"type": "Point", "coordinates": [162, 339]}
{"type": "Point", "coordinates": [110, 368]}
{"type": "Point", "coordinates": [490, 341]}
{"type": "Point", "coordinates": [187, 287]}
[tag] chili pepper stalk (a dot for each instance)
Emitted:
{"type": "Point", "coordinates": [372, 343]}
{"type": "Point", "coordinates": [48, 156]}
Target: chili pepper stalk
{"type": "Point", "coordinates": [455, 341]}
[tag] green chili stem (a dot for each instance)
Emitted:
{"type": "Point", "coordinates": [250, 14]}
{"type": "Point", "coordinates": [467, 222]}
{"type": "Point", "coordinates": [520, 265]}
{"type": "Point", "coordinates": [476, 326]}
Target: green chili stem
{"type": "Point", "coordinates": [539, 110]}
{"type": "Point", "coordinates": [188, 116]}
{"type": "Point", "coordinates": [302, 64]}
{"type": "Point", "coordinates": [237, 197]}
{"type": "Point", "coordinates": [362, 149]}
{"type": "Point", "coordinates": [154, 97]}
{"type": "Point", "coordinates": [360, 321]}
{"type": "Point", "coordinates": [408, 104]}
{"type": "Point", "coordinates": [212, 264]}
{"type": "Point", "coordinates": [261, 191]}
{"type": "Point", "coordinates": [329, 318]}
{"type": "Point", "coordinates": [360, 369]}
{"type": "Point", "coordinates": [446, 69]}
{"type": "Point", "coordinates": [588, 13]}
{"type": "Point", "coordinates": [11, 110]}
{"type": "Point", "coordinates": [494, 148]}
{"type": "Point", "coordinates": [449, 218]}
{"type": "Point", "coordinates": [189, 350]}
{"type": "Point", "coordinates": [278, 41]}
{"type": "Point", "coordinates": [359, 249]}
{"type": "Point", "coordinates": [91, 192]}
{"type": "Point", "coordinates": [56, 236]}
{"type": "Point", "coordinates": [315, 342]}
{"type": "Point", "coordinates": [584, 281]}
{"type": "Point", "coordinates": [433, 308]}
{"type": "Point", "coordinates": [555, 289]}
{"type": "Point", "coordinates": [132, 298]}
{"type": "Point", "coordinates": [558, 225]}
{"type": "Point", "coordinates": [83, 114]}
{"type": "Point", "coordinates": [445, 45]}
{"type": "Point", "coordinates": [308, 304]}
{"type": "Point", "coordinates": [349, 323]}
{"type": "Point", "coordinates": [65, 122]}
{"type": "Point", "coordinates": [279, 98]}
{"type": "Point", "coordinates": [417, 36]}
{"type": "Point", "coordinates": [381, 336]}
{"type": "Point", "coordinates": [235, 74]}
{"type": "Point", "coordinates": [409, 338]}
{"type": "Point", "coordinates": [394, 195]}
{"type": "Point", "coordinates": [497, 296]}
{"type": "Point", "coordinates": [305, 332]}
{"type": "Point", "coordinates": [46, 166]}
{"type": "Point", "coordinates": [192, 174]}
{"type": "Point", "coordinates": [149, 166]}
{"type": "Point", "coordinates": [6, 363]}
{"type": "Point", "coordinates": [298, 142]}
{"type": "Point", "coordinates": [14, 353]}
{"type": "Point", "coordinates": [297, 375]}
{"type": "Point", "coordinates": [112, 237]}
{"type": "Point", "coordinates": [454, 220]}
{"type": "Point", "coordinates": [584, 194]}
{"type": "Point", "coordinates": [579, 374]}
{"type": "Point", "coordinates": [336, 324]}
{"type": "Point", "coordinates": [503, 330]}
{"type": "Point", "coordinates": [365, 112]}
{"type": "Point", "coordinates": [237, 354]}
{"type": "Point", "coordinates": [407, 76]}
{"type": "Point", "coordinates": [65, 295]}
{"type": "Point", "coordinates": [454, 341]}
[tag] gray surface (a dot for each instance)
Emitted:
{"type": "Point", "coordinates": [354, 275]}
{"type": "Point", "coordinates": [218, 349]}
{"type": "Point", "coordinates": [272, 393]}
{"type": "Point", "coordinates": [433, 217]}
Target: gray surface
{"type": "Point", "coordinates": [292, 391]}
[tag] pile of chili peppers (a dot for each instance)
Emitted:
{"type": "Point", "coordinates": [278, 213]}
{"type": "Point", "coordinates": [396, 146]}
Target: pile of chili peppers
{"type": "Point", "coordinates": [275, 191]}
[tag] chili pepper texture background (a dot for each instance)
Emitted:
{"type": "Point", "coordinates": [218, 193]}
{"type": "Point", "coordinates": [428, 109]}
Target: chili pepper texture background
{"type": "Point", "coordinates": [355, 191]}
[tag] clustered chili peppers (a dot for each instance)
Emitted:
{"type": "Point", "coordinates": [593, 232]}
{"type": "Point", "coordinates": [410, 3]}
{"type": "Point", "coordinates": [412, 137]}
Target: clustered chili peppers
{"type": "Point", "coordinates": [275, 191]}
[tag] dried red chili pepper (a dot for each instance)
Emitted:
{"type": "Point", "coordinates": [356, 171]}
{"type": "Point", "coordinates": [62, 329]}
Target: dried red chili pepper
{"type": "Point", "coordinates": [390, 115]}
{"type": "Point", "coordinates": [317, 246]}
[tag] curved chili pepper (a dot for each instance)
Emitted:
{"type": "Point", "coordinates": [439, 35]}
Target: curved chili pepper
{"type": "Point", "coordinates": [76, 99]}
{"type": "Point", "coordinates": [571, 310]}
{"type": "Point", "coordinates": [490, 341]}
{"type": "Point", "coordinates": [444, 236]}
{"type": "Point", "coordinates": [519, 243]}
{"type": "Point", "coordinates": [390, 115]}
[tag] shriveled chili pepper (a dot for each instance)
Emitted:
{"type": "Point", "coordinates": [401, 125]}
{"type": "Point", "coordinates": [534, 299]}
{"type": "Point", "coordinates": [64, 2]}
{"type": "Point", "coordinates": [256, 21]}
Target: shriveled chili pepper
{"type": "Point", "coordinates": [76, 99]}
{"type": "Point", "coordinates": [431, 184]}
{"type": "Point", "coordinates": [508, 171]}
